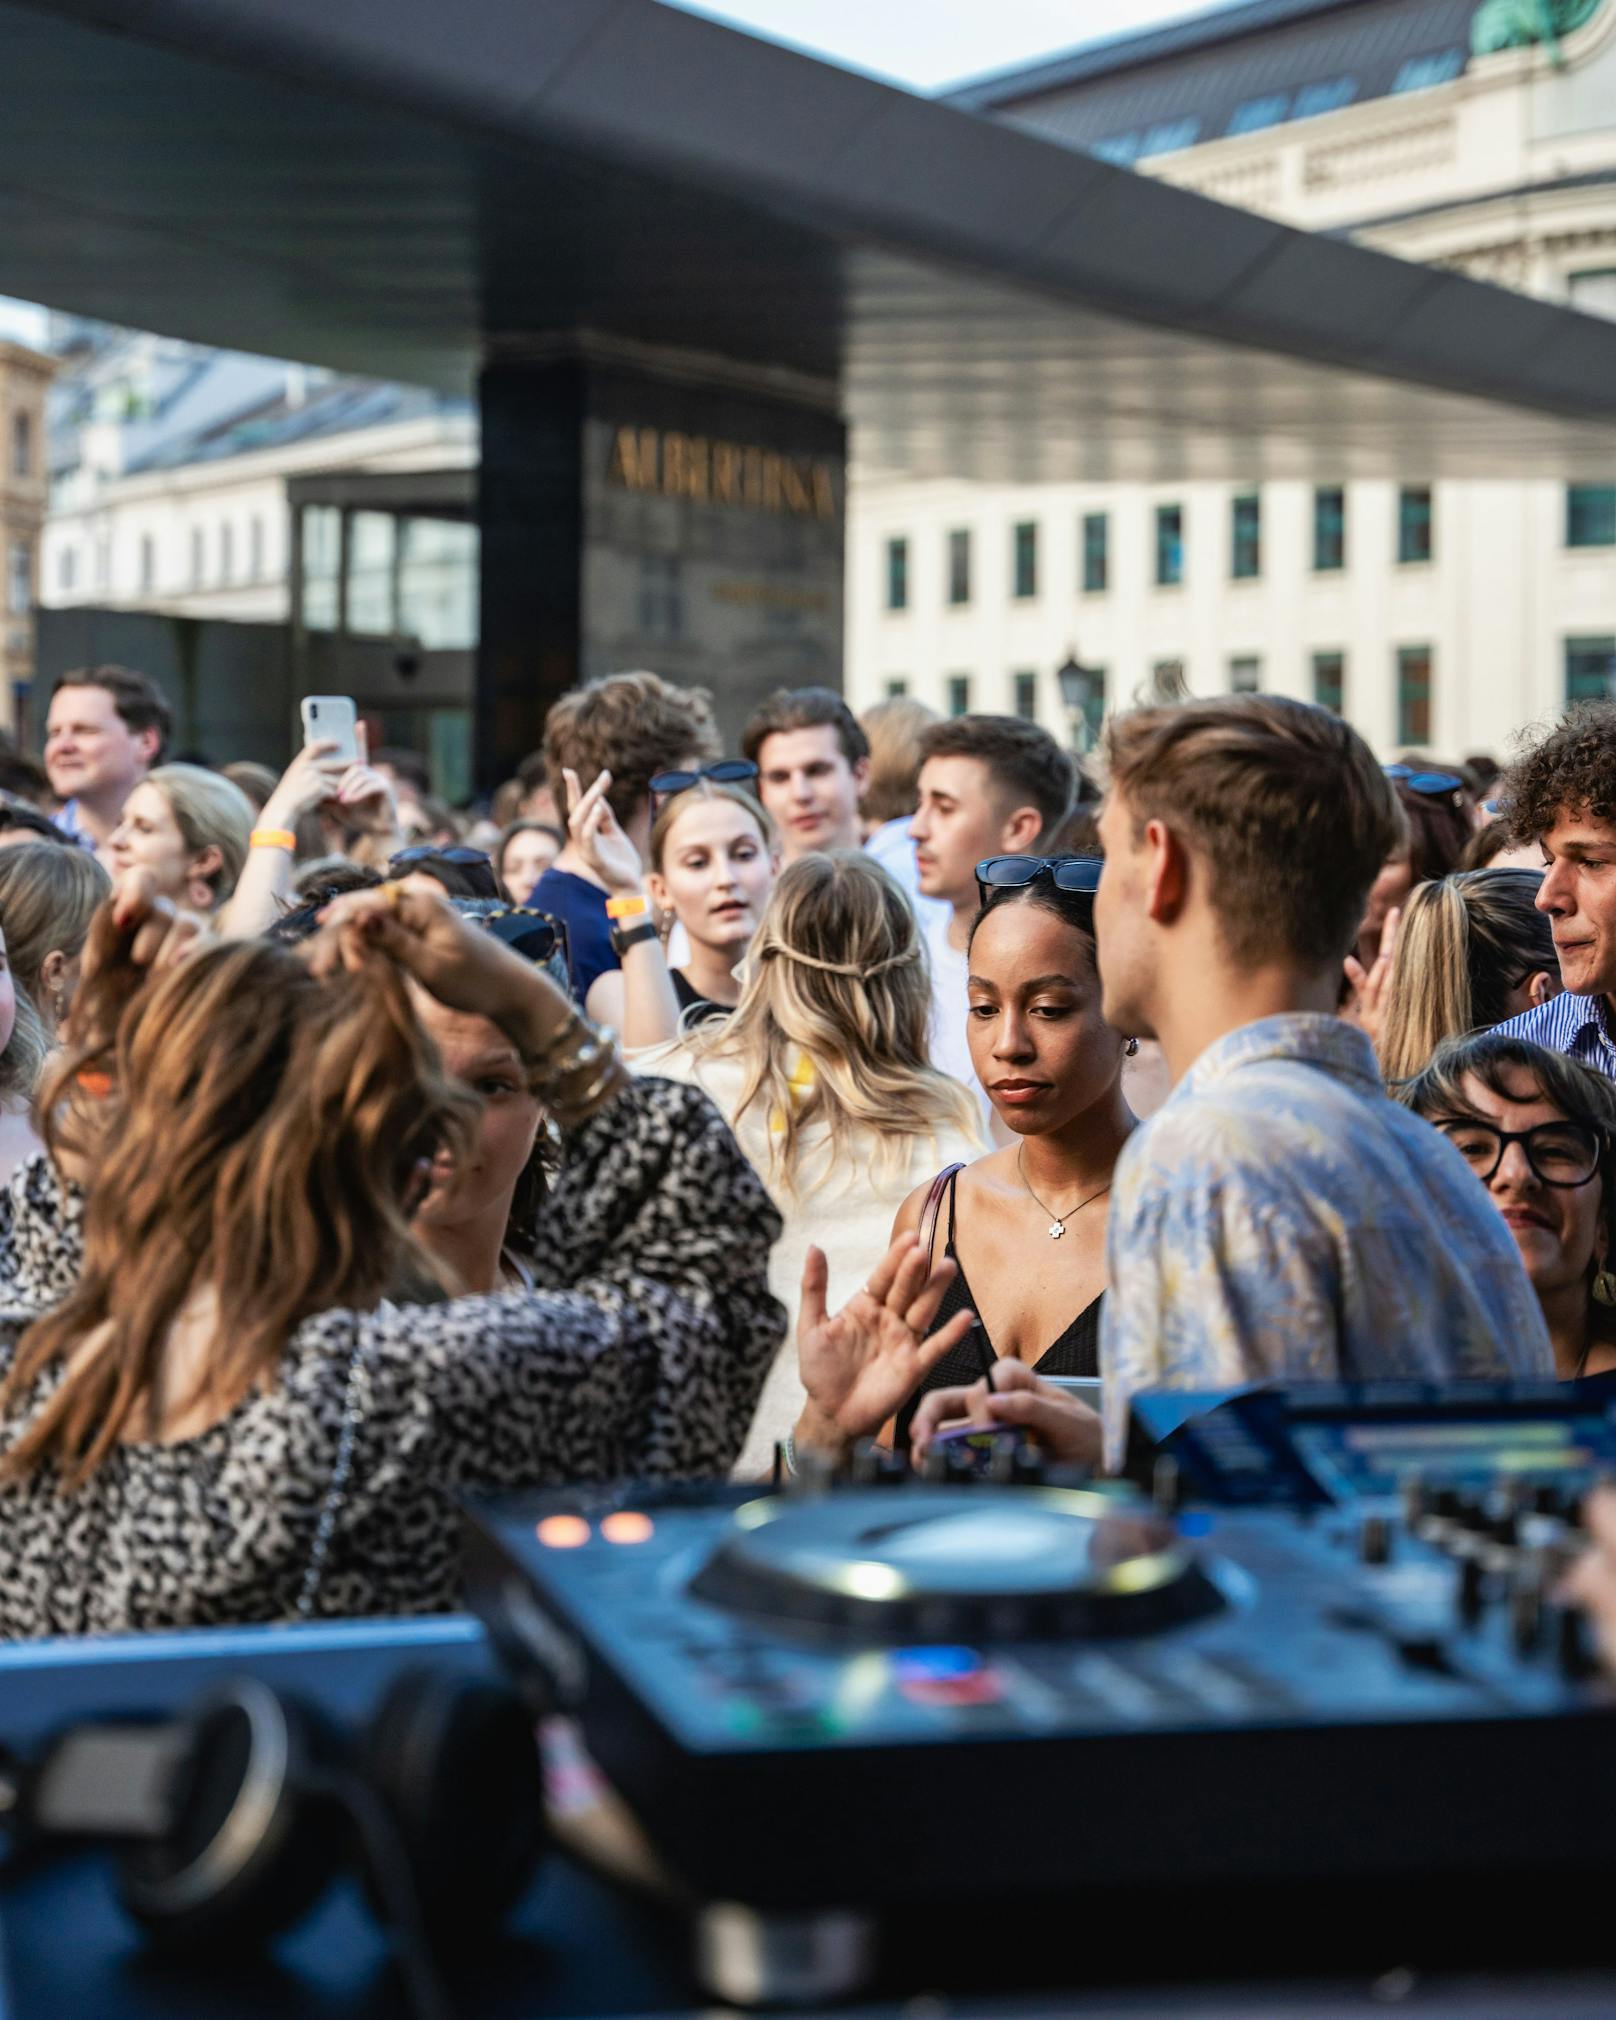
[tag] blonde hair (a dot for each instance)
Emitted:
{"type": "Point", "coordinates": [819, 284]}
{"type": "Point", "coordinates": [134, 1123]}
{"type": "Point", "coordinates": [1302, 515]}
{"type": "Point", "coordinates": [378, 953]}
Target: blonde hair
{"type": "Point", "coordinates": [704, 789]}
{"type": "Point", "coordinates": [838, 976]}
{"type": "Point", "coordinates": [210, 813]}
{"type": "Point", "coordinates": [1465, 942]}
{"type": "Point", "coordinates": [894, 728]}
{"type": "Point", "coordinates": [257, 1136]}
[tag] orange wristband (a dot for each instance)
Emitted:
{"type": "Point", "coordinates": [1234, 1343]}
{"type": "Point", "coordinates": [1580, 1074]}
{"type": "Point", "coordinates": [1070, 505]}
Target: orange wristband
{"type": "Point", "coordinates": [627, 908]}
{"type": "Point", "coordinates": [273, 838]}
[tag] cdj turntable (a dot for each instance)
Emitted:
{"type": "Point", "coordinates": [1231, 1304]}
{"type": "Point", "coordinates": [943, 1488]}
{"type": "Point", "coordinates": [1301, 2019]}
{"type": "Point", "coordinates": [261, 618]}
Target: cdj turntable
{"type": "Point", "coordinates": [900, 1695]}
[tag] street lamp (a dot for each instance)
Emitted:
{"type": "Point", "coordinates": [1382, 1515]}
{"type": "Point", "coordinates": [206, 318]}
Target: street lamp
{"type": "Point", "coordinates": [1082, 691]}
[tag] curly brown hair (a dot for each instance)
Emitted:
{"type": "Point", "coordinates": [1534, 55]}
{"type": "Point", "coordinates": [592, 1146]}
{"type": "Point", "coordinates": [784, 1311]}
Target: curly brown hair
{"type": "Point", "coordinates": [632, 724]}
{"type": "Point", "coordinates": [1573, 770]}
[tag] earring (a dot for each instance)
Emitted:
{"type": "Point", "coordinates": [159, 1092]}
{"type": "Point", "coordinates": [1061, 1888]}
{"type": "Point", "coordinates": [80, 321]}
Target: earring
{"type": "Point", "coordinates": [1605, 1287]}
{"type": "Point", "coordinates": [1132, 1047]}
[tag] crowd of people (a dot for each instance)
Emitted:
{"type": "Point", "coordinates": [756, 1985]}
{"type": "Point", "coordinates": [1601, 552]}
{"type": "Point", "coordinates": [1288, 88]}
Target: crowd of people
{"type": "Point", "coordinates": [690, 1112]}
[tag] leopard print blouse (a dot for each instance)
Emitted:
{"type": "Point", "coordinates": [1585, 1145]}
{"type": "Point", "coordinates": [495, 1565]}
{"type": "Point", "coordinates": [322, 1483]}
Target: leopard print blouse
{"type": "Point", "coordinates": [642, 1354]}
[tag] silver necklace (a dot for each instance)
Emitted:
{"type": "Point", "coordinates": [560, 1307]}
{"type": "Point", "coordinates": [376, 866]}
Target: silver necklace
{"type": "Point", "coordinates": [1057, 1221]}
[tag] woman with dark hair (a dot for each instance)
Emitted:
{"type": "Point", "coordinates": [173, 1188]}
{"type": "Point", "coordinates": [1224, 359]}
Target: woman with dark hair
{"type": "Point", "coordinates": [1025, 1226]}
{"type": "Point", "coordinates": [1539, 1130]}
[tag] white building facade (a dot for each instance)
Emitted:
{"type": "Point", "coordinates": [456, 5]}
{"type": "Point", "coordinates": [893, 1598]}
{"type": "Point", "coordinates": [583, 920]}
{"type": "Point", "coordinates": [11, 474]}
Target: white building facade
{"type": "Point", "coordinates": [1444, 616]}
{"type": "Point", "coordinates": [170, 468]}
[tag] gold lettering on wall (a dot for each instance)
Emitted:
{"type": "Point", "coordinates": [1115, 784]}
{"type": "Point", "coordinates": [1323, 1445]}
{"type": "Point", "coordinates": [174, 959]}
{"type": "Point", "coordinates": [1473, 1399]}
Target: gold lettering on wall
{"type": "Point", "coordinates": [675, 465]}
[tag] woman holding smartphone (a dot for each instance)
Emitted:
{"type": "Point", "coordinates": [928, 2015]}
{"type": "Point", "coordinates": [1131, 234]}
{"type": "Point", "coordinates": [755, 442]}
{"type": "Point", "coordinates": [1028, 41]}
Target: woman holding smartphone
{"type": "Point", "coordinates": [1025, 1226]}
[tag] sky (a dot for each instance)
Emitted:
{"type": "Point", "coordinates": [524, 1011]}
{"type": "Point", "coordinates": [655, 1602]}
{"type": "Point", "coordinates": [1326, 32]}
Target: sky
{"type": "Point", "coordinates": [929, 43]}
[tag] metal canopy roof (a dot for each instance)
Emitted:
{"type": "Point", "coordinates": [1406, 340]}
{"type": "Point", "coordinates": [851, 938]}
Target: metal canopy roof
{"type": "Point", "coordinates": [397, 187]}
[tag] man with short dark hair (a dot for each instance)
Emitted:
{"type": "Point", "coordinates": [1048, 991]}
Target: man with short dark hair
{"type": "Point", "coordinates": [812, 760]}
{"type": "Point", "coordinates": [106, 727]}
{"type": "Point", "coordinates": [990, 785]}
{"type": "Point", "coordinates": [1561, 797]}
{"type": "Point", "coordinates": [1280, 1216]}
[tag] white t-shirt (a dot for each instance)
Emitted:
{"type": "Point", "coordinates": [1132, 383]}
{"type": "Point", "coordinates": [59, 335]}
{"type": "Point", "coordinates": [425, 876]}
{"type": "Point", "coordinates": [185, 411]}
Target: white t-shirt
{"type": "Point", "coordinates": [950, 1045]}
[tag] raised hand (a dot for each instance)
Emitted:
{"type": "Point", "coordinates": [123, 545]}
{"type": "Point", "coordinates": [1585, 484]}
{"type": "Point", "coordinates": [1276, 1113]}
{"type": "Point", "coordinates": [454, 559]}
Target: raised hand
{"type": "Point", "coordinates": [598, 836]}
{"type": "Point", "coordinates": [1368, 993]}
{"type": "Point", "coordinates": [863, 1363]}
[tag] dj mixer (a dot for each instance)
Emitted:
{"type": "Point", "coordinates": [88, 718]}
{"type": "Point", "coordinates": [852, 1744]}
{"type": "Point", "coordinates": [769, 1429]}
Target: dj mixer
{"type": "Point", "coordinates": [914, 1692]}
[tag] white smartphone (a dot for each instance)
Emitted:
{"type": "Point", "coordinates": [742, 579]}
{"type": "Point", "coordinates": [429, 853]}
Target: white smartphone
{"type": "Point", "coordinates": [332, 718]}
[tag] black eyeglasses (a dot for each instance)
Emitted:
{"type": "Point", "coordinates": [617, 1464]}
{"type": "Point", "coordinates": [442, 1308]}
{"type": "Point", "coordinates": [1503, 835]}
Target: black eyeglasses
{"type": "Point", "coordinates": [727, 772]}
{"type": "Point", "coordinates": [1429, 785]}
{"type": "Point", "coordinates": [476, 866]}
{"type": "Point", "coordinates": [1014, 873]}
{"type": "Point", "coordinates": [1559, 1153]}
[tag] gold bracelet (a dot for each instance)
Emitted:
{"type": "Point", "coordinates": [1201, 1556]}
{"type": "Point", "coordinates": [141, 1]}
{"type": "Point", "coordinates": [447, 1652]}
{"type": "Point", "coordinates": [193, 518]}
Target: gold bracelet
{"type": "Point", "coordinates": [577, 1072]}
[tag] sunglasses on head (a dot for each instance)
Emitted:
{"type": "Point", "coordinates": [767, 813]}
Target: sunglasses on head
{"type": "Point", "coordinates": [727, 772]}
{"type": "Point", "coordinates": [1013, 873]}
{"type": "Point", "coordinates": [1430, 785]}
{"type": "Point", "coordinates": [476, 865]}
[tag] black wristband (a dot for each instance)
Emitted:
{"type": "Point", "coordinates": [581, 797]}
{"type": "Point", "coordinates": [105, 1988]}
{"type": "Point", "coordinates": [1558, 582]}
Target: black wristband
{"type": "Point", "coordinates": [623, 939]}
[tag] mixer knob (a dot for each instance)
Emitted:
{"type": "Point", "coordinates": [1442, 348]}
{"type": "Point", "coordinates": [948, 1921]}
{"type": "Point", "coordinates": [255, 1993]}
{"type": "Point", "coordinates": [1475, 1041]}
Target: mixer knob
{"type": "Point", "coordinates": [1166, 1485]}
{"type": "Point", "coordinates": [864, 1466]}
{"type": "Point", "coordinates": [1375, 1539]}
{"type": "Point", "coordinates": [1416, 1499]}
{"type": "Point", "coordinates": [1446, 1503]}
{"type": "Point", "coordinates": [1547, 1499]}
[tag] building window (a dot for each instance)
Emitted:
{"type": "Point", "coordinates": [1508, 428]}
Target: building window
{"type": "Point", "coordinates": [1245, 676]}
{"type": "Point", "coordinates": [897, 575]}
{"type": "Point", "coordinates": [22, 445]}
{"type": "Point", "coordinates": [1025, 558]}
{"type": "Point", "coordinates": [1414, 523]}
{"type": "Point", "coordinates": [1096, 553]}
{"type": "Point", "coordinates": [1170, 136]}
{"type": "Point", "coordinates": [196, 557]}
{"type": "Point", "coordinates": [1024, 696]}
{"type": "Point", "coordinates": [1313, 99]}
{"type": "Point", "coordinates": [1590, 669]}
{"type": "Point", "coordinates": [67, 569]}
{"type": "Point", "coordinates": [19, 578]}
{"type": "Point", "coordinates": [148, 563]}
{"type": "Point", "coordinates": [1330, 680]}
{"type": "Point", "coordinates": [1329, 528]}
{"type": "Point", "coordinates": [1591, 515]}
{"type": "Point", "coordinates": [959, 694]}
{"type": "Point", "coordinates": [1413, 694]}
{"type": "Point", "coordinates": [255, 550]}
{"type": "Point", "coordinates": [1257, 113]}
{"type": "Point", "coordinates": [1419, 73]}
{"type": "Point", "coordinates": [897, 687]}
{"type": "Point", "coordinates": [1245, 537]}
{"type": "Point", "coordinates": [959, 565]}
{"type": "Point", "coordinates": [227, 553]}
{"type": "Point", "coordinates": [1169, 545]}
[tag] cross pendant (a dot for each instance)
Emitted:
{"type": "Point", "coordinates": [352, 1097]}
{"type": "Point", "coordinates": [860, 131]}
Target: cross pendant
{"type": "Point", "coordinates": [1056, 1229]}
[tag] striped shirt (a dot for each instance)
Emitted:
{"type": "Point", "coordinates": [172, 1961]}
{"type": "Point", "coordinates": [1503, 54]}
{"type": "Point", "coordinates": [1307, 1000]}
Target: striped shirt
{"type": "Point", "coordinates": [1281, 1218]}
{"type": "Point", "coordinates": [1578, 1026]}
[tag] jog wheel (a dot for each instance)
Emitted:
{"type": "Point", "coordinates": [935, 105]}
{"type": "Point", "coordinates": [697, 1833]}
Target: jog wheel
{"type": "Point", "coordinates": [958, 1564]}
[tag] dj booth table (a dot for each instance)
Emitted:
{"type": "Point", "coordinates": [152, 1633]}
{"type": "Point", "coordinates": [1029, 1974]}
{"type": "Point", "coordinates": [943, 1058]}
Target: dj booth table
{"type": "Point", "coordinates": [577, 1947]}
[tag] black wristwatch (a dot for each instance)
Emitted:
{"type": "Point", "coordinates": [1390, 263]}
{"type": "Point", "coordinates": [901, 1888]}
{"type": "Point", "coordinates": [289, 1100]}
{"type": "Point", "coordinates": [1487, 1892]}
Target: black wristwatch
{"type": "Point", "coordinates": [623, 939]}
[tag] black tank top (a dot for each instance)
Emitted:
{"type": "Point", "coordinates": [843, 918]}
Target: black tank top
{"type": "Point", "coordinates": [1076, 1352]}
